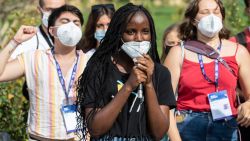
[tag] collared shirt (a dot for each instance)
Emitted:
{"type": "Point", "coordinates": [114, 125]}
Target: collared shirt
{"type": "Point", "coordinates": [46, 92]}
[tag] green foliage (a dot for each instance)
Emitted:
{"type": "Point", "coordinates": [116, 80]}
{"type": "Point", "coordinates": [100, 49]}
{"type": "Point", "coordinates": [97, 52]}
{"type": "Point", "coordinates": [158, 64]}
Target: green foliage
{"type": "Point", "coordinates": [13, 110]}
{"type": "Point", "coordinates": [236, 19]}
{"type": "Point", "coordinates": [163, 17]}
{"type": "Point", "coordinates": [13, 106]}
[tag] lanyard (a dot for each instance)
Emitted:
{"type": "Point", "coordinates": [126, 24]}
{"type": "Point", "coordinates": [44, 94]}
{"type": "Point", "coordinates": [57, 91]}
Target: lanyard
{"type": "Point", "coordinates": [216, 69]}
{"type": "Point", "coordinates": [45, 36]}
{"type": "Point", "coordinates": [60, 75]}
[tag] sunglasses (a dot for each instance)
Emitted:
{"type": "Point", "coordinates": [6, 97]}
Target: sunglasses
{"type": "Point", "coordinates": [98, 6]}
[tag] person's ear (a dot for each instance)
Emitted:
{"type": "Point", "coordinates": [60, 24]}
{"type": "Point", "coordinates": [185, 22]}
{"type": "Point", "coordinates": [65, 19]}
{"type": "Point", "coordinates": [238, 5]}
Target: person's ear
{"type": "Point", "coordinates": [39, 10]}
{"type": "Point", "coordinates": [194, 22]}
{"type": "Point", "coordinates": [52, 31]}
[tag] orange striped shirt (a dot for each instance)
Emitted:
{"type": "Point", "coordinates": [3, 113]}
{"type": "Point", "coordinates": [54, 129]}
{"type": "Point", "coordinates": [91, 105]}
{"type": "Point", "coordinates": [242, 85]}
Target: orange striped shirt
{"type": "Point", "coordinates": [46, 93]}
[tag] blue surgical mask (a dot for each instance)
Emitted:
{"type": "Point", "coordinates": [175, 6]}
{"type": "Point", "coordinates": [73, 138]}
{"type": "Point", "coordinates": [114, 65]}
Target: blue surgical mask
{"type": "Point", "coordinates": [99, 35]}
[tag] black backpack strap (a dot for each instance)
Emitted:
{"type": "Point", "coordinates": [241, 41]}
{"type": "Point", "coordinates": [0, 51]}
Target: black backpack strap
{"type": "Point", "coordinates": [241, 38]}
{"type": "Point", "coordinates": [45, 36]}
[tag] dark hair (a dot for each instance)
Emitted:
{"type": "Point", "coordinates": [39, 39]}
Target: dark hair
{"type": "Point", "coordinates": [187, 28]}
{"type": "Point", "coordinates": [246, 3]}
{"type": "Point", "coordinates": [88, 42]}
{"type": "Point", "coordinates": [41, 3]}
{"type": "Point", "coordinates": [173, 27]}
{"type": "Point", "coordinates": [96, 69]}
{"type": "Point", "coordinates": [57, 13]}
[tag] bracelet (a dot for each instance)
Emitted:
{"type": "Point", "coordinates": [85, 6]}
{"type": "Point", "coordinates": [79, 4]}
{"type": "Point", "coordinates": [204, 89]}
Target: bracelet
{"type": "Point", "coordinates": [17, 42]}
{"type": "Point", "coordinates": [13, 45]}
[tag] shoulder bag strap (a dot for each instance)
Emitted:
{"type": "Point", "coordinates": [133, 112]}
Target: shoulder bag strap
{"type": "Point", "coordinates": [206, 50]}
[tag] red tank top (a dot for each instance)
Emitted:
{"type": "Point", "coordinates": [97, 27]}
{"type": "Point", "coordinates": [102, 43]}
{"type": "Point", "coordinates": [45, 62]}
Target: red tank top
{"type": "Point", "coordinates": [193, 87]}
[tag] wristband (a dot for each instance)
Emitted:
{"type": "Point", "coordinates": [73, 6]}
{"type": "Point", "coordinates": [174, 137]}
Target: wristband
{"type": "Point", "coordinates": [17, 42]}
{"type": "Point", "coordinates": [13, 45]}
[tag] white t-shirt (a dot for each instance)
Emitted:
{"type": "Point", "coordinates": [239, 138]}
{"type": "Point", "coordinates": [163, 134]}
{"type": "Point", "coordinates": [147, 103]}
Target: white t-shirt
{"type": "Point", "coordinates": [31, 44]}
{"type": "Point", "coordinates": [90, 52]}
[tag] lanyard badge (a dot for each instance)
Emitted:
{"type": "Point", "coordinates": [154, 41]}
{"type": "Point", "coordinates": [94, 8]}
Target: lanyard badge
{"type": "Point", "coordinates": [218, 101]}
{"type": "Point", "coordinates": [69, 117]}
{"type": "Point", "coordinates": [220, 105]}
{"type": "Point", "coordinates": [68, 108]}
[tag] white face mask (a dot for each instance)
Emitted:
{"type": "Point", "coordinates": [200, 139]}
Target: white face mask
{"type": "Point", "coordinates": [69, 34]}
{"type": "Point", "coordinates": [136, 49]}
{"type": "Point", "coordinates": [210, 25]}
{"type": "Point", "coordinates": [99, 35]}
{"type": "Point", "coordinates": [45, 18]}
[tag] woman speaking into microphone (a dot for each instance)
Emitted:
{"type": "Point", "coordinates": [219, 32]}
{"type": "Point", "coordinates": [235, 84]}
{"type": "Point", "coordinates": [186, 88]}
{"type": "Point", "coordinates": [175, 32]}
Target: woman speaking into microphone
{"type": "Point", "coordinates": [108, 101]}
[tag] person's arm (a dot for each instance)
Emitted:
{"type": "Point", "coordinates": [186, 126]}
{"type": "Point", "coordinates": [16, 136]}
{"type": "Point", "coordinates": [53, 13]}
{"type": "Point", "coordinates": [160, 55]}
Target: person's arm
{"type": "Point", "coordinates": [158, 115]}
{"type": "Point", "coordinates": [173, 132]}
{"type": "Point", "coordinates": [96, 125]}
{"type": "Point", "coordinates": [174, 62]}
{"type": "Point", "coordinates": [243, 60]}
{"type": "Point", "coordinates": [13, 70]}
{"type": "Point", "coordinates": [103, 120]}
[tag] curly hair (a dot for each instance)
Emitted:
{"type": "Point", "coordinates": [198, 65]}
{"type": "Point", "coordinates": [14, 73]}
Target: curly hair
{"type": "Point", "coordinates": [97, 66]}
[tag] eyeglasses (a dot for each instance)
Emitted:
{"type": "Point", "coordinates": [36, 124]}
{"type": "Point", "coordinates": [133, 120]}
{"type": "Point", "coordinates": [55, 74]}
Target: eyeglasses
{"type": "Point", "coordinates": [98, 6]}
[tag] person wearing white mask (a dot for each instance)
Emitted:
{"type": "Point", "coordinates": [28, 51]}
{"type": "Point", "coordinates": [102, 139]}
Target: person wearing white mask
{"type": "Point", "coordinates": [207, 106]}
{"type": "Point", "coordinates": [125, 93]}
{"type": "Point", "coordinates": [51, 75]}
{"type": "Point", "coordinates": [42, 40]}
{"type": "Point", "coordinates": [96, 26]}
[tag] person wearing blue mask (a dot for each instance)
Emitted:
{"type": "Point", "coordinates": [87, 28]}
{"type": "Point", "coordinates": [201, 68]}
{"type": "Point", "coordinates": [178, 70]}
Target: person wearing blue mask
{"type": "Point", "coordinates": [96, 27]}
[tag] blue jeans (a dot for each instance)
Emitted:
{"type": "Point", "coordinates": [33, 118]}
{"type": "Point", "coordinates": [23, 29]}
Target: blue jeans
{"type": "Point", "coordinates": [199, 126]}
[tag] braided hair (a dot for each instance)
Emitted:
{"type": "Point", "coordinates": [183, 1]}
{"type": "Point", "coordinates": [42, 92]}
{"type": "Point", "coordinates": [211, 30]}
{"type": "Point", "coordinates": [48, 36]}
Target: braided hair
{"type": "Point", "coordinates": [97, 66]}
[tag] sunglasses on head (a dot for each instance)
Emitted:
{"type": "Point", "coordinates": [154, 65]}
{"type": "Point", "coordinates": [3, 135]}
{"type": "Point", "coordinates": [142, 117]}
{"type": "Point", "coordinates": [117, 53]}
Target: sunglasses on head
{"type": "Point", "coordinates": [98, 6]}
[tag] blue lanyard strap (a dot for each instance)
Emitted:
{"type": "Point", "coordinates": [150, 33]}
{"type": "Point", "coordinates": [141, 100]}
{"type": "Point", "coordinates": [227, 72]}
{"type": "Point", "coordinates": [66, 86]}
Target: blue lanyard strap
{"type": "Point", "coordinates": [60, 75]}
{"type": "Point", "coordinates": [216, 69]}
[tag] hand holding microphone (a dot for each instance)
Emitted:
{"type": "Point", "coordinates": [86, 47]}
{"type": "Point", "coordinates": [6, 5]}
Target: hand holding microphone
{"type": "Point", "coordinates": [143, 70]}
{"type": "Point", "coordinates": [146, 65]}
